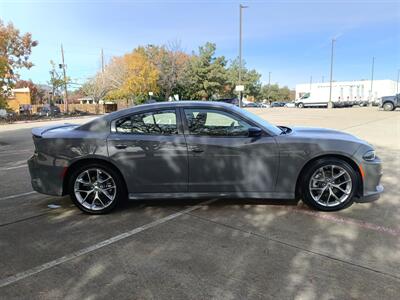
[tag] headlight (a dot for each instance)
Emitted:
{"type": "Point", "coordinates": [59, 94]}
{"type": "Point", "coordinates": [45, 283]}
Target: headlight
{"type": "Point", "coordinates": [369, 155]}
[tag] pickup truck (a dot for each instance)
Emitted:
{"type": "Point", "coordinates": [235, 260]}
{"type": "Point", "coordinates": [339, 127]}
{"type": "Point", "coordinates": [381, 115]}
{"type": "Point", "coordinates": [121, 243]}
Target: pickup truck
{"type": "Point", "coordinates": [389, 103]}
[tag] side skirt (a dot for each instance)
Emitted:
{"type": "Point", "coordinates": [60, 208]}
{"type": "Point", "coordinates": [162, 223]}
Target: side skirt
{"type": "Point", "coordinates": [253, 195]}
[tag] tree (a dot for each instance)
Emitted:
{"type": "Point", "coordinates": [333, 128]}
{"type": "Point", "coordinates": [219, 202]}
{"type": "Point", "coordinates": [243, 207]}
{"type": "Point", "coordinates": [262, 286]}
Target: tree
{"type": "Point", "coordinates": [250, 80]}
{"type": "Point", "coordinates": [97, 88]}
{"type": "Point", "coordinates": [142, 75]}
{"type": "Point", "coordinates": [274, 93]}
{"type": "Point", "coordinates": [15, 50]}
{"type": "Point", "coordinates": [170, 62]}
{"type": "Point", "coordinates": [56, 82]}
{"type": "Point", "coordinates": [205, 74]}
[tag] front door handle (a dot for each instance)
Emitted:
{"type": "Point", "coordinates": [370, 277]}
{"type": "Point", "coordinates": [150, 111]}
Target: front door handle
{"type": "Point", "coordinates": [196, 149]}
{"type": "Point", "coordinates": [120, 146]}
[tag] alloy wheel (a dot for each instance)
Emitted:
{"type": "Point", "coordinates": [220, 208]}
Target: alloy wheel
{"type": "Point", "coordinates": [330, 185]}
{"type": "Point", "coordinates": [95, 189]}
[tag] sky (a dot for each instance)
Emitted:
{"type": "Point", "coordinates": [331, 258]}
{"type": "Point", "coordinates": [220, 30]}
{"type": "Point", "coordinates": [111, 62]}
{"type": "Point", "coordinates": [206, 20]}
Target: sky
{"type": "Point", "coordinates": [289, 38]}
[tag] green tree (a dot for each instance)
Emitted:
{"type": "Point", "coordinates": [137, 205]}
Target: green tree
{"type": "Point", "coordinates": [56, 83]}
{"type": "Point", "coordinates": [274, 93]}
{"type": "Point", "coordinates": [205, 74]}
{"type": "Point", "coordinates": [250, 80]}
{"type": "Point", "coordinates": [15, 50]}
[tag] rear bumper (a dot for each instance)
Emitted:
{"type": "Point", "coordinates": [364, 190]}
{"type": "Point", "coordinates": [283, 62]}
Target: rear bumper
{"type": "Point", "coordinates": [45, 179]}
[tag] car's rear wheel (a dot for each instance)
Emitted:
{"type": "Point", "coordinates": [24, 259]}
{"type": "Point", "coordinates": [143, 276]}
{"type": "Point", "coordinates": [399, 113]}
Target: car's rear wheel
{"type": "Point", "coordinates": [329, 184]}
{"type": "Point", "coordinates": [388, 106]}
{"type": "Point", "coordinates": [96, 188]}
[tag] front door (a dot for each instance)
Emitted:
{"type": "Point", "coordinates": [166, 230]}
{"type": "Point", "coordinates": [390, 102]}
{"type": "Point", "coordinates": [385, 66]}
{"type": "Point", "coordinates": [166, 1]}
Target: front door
{"type": "Point", "coordinates": [150, 150]}
{"type": "Point", "coordinates": [222, 158]}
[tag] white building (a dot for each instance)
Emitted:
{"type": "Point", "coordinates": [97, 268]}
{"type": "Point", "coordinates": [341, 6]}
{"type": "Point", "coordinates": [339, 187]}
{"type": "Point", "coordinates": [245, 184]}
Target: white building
{"type": "Point", "coordinates": [347, 91]}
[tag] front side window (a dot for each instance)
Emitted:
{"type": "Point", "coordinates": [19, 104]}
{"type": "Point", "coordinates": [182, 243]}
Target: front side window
{"type": "Point", "coordinates": [154, 123]}
{"type": "Point", "coordinates": [215, 123]}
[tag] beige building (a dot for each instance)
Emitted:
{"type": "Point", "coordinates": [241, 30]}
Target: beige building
{"type": "Point", "coordinates": [19, 98]}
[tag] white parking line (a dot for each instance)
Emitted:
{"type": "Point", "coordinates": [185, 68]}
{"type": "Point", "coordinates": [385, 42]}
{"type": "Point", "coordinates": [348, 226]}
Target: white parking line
{"type": "Point", "coordinates": [17, 195]}
{"type": "Point", "coordinates": [12, 168]}
{"type": "Point", "coordinates": [19, 276]}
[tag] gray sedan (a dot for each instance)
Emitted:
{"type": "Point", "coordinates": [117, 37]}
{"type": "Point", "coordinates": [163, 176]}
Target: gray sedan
{"type": "Point", "coordinates": [200, 149]}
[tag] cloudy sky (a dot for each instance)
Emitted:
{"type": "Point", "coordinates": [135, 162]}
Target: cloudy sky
{"type": "Point", "coordinates": [291, 39]}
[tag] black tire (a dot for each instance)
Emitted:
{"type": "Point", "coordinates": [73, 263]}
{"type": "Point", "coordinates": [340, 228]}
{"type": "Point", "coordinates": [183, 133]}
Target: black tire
{"type": "Point", "coordinates": [388, 106]}
{"type": "Point", "coordinates": [120, 188]}
{"type": "Point", "coordinates": [323, 162]}
{"type": "Point", "coordinates": [300, 105]}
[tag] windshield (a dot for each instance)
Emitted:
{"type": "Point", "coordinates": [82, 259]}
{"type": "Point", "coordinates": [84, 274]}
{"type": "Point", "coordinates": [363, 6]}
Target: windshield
{"type": "Point", "coordinates": [271, 128]}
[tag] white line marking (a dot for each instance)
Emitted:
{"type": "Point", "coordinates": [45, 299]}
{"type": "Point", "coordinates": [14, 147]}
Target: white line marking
{"type": "Point", "coordinates": [17, 195]}
{"type": "Point", "coordinates": [12, 168]}
{"type": "Point", "coordinates": [19, 276]}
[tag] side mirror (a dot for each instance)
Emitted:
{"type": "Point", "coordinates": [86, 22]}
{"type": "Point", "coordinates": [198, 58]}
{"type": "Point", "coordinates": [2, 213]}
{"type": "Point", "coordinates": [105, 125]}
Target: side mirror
{"type": "Point", "coordinates": [254, 132]}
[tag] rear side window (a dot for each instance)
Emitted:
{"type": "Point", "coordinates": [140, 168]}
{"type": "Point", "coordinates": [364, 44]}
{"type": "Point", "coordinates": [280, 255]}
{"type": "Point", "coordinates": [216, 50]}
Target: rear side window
{"type": "Point", "coordinates": [153, 123]}
{"type": "Point", "coordinates": [215, 123]}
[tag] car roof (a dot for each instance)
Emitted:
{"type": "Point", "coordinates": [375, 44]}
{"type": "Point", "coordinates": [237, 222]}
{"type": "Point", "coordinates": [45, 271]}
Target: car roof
{"type": "Point", "coordinates": [171, 104]}
{"type": "Point", "coordinates": [102, 121]}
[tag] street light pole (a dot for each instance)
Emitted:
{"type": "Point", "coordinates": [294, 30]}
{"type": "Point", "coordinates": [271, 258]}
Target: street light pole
{"type": "Point", "coordinates": [331, 76]}
{"type": "Point", "coordinates": [240, 51]}
{"type": "Point", "coordinates": [372, 80]}
{"type": "Point", "coordinates": [397, 85]}
{"type": "Point", "coordinates": [65, 81]}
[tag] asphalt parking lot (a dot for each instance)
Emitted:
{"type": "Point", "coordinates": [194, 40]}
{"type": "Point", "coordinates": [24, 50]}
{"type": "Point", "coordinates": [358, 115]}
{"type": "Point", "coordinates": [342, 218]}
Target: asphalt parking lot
{"type": "Point", "coordinates": [225, 249]}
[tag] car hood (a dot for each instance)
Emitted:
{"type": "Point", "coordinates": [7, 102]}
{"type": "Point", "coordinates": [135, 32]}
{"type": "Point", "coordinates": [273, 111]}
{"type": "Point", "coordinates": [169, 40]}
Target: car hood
{"type": "Point", "coordinates": [323, 133]}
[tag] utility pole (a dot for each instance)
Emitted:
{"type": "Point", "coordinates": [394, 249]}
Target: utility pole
{"type": "Point", "coordinates": [102, 61]}
{"type": "Point", "coordinates": [372, 81]}
{"type": "Point", "coordinates": [310, 82]}
{"type": "Point", "coordinates": [397, 85]}
{"type": "Point", "coordinates": [323, 79]}
{"type": "Point", "coordinates": [65, 81]}
{"type": "Point", "coordinates": [240, 51]}
{"type": "Point", "coordinates": [269, 85]}
{"type": "Point", "coordinates": [331, 75]}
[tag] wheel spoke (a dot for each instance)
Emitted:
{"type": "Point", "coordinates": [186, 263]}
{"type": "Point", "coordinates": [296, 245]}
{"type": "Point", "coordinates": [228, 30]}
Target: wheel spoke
{"type": "Point", "coordinates": [87, 195]}
{"type": "Point", "coordinates": [102, 181]}
{"type": "Point", "coordinates": [334, 195]}
{"type": "Point", "coordinates": [108, 188]}
{"type": "Point", "coordinates": [339, 188]}
{"type": "Point", "coordinates": [323, 191]}
{"type": "Point", "coordinates": [340, 174]}
{"type": "Point", "coordinates": [106, 194]}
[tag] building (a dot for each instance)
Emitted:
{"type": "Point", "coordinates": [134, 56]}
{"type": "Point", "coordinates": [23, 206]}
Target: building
{"type": "Point", "coordinates": [349, 90]}
{"type": "Point", "coordinates": [19, 100]}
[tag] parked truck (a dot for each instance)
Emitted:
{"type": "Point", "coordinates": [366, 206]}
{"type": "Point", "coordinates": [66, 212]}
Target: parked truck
{"type": "Point", "coordinates": [389, 103]}
{"type": "Point", "coordinates": [344, 93]}
{"type": "Point", "coordinates": [342, 96]}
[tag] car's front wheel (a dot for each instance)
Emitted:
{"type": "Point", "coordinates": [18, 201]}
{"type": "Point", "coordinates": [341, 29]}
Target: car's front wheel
{"type": "Point", "coordinates": [96, 188]}
{"type": "Point", "coordinates": [300, 105]}
{"type": "Point", "coordinates": [329, 184]}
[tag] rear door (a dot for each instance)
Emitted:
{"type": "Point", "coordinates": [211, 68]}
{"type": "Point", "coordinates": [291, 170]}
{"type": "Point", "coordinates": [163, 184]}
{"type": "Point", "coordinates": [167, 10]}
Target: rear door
{"type": "Point", "coordinates": [222, 158]}
{"type": "Point", "coordinates": [150, 150]}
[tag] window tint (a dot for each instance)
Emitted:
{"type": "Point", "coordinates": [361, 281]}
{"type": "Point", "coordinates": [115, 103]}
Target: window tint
{"type": "Point", "coordinates": [159, 122]}
{"type": "Point", "coordinates": [215, 123]}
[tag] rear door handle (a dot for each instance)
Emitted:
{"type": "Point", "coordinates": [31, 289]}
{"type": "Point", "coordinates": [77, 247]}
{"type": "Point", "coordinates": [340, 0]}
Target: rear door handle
{"type": "Point", "coordinates": [120, 146]}
{"type": "Point", "coordinates": [196, 149]}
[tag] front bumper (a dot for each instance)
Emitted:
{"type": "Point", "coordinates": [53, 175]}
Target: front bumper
{"type": "Point", "coordinates": [372, 188]}
{"type": "Point", "coordinates": [45, 178]}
